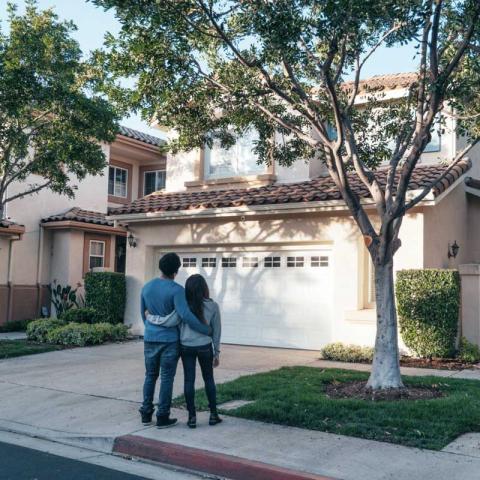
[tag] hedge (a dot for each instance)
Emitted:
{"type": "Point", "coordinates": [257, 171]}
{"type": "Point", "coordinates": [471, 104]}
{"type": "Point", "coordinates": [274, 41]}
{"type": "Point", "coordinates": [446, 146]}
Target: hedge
{"type": "Point", "coordinates": [106, 292]}
{"type": "Point", "coordinates": [347, 353]}
{"type": "Point", "coordinates": [80, 315]}
{"type": "Point", "coordinates": [428, 303]}
{"type": "Point", "coordinates": [82, 334]}
{"type": "Point", "coordinates": [37, 330]}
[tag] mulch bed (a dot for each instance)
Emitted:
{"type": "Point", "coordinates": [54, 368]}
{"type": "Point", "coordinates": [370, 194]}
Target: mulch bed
{"type": "Point", "coordinates": [359, 391]}
{"type": "Point", "coordinates": [438, 363]}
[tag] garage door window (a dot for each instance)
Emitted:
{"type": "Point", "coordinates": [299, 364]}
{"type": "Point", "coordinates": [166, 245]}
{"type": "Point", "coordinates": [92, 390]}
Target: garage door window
{"type": "Point", "coordinates": [272, 262]}
{"type": "Point", "coordinates": [189, 262]}
{"type": "Point", "coordinates": [319, 261]}
{"type": "Point", "coordinates": [295, 261]}
{"type": "Point", "coordinates": [209, 262]}
{"type": "Point", "coordinates": [229, 262]}
{"type": "Point", "coordinates": [250, 262]}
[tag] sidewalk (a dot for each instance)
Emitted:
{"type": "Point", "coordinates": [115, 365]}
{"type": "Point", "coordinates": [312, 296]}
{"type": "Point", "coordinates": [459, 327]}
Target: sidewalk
{"type": "Point", "coordinates": [89, 398]}
{"type": "Point", "coordinates": [12, 335]}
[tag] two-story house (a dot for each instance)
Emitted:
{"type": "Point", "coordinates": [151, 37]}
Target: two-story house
{"type": "Point", "coordinates": [49, 237]}
{"type": "Point", "coordinates": [277, 245]}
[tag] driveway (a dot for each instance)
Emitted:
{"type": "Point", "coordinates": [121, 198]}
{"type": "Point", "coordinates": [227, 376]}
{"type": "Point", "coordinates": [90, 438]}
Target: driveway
{"type": "Point", "coordinates": [97, 390]}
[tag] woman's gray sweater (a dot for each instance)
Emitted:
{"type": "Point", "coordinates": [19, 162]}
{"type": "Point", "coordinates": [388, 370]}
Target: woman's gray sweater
{"type": "Point", "coordinates": [188, 336]}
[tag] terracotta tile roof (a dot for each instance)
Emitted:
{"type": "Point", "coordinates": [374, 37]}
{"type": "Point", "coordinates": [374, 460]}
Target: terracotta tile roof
{"type": "Point", "coordinates": [77, 214]}
{"type": "Point", "coordinates": [140, 136]}
{"type": "Point", "coordinates": [385, 82]}
{"type": "Point", "coordinates": [319, 189]}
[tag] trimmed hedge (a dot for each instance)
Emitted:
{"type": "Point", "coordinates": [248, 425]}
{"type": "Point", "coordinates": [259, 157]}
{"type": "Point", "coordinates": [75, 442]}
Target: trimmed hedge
{"type": "Point", "coordinates": [37, 330]}
{"type": "Point", "coordinates": [80, 315]}
{"type": "Point", "coordinates": [428, 303]}
{"type": "Point", "coordinates": [347, 353]}
{"type": "Point", "coordinates": [82, 334]}
{"type": "Point", "coordinates": [106, 292]}
{"type": "Point", "coordinates": [16, 326]}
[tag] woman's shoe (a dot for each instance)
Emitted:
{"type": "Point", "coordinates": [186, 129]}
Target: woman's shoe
{"type": "Point", "coordinates": [214, 419]}
{"type": "Point", "coordinates": [192, 421]}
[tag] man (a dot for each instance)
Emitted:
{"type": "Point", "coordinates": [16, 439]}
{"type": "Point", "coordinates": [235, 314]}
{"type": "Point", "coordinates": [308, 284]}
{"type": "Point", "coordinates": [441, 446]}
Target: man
{"type": "Point", "coordinates": [162, 296]}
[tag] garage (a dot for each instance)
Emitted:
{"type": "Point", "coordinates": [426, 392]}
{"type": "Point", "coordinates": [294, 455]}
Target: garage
{"type": "Point", "coordinates": [278, 298]}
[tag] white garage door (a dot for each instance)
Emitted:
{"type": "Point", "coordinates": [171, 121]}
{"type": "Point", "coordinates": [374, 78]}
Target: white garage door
{"type": "Point", "coordinates": [269, 298]}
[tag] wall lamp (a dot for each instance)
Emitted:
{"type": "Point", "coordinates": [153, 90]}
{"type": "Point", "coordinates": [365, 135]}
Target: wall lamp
{"type": "Point", "coordinates": [453, 249]}
{"type": "Point", "coordinates": [132, 241]}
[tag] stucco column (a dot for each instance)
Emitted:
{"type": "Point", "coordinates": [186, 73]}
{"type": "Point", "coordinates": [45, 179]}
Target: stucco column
{"type": "Point", "coordinates": [470, 313]}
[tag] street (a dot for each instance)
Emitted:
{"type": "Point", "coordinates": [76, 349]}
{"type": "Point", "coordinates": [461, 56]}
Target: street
{"type": "Point", "coordinates": [21, 463]}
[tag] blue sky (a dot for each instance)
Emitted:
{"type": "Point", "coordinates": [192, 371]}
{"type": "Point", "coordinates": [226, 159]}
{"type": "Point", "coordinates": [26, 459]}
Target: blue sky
{"type": "Point", "coordinates": [93, 23]}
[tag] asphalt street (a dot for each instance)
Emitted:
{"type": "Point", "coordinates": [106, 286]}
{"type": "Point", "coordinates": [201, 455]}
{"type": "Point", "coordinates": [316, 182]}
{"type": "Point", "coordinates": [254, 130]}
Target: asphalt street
{"type": "Point", "coordinates": [20, 463]}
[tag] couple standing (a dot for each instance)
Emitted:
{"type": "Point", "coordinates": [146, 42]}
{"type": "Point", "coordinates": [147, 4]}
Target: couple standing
{"type": "Point", "coordinates": [181, 323]}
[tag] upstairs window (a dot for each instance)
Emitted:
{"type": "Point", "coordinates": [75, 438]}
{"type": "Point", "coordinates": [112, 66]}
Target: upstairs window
{"type": "Point", "coordinates": [238, 160]}
{"type": "Point", "coordinates": [153, 181]}
{"type": "Point", "coordinates": [117, 182]}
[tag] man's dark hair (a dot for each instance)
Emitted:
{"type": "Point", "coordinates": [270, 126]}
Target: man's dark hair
{"type": "Point", "coordinates": [169, 264]}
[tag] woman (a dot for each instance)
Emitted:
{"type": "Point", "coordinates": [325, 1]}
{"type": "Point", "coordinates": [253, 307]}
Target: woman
{"type": "Point", "coordinates": [195, 346]}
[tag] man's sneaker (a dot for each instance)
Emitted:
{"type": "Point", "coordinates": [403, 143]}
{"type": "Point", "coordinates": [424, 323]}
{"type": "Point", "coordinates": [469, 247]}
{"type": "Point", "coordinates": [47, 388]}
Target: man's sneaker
{"type": "Point", "coordinates": [192, 421]}
{"type": "Point", "coordinates": [146, 418]}
{"type": "Point", "coordinates": [214, 419]}
{"type": "Point", "coordinates": [165, 422]}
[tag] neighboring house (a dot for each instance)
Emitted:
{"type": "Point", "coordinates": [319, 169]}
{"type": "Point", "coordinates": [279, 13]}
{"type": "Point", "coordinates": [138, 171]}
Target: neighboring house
{"type": "Point", "coordinates": [277, 245]}
{"type": "Point", "coordinates": [50, 238]}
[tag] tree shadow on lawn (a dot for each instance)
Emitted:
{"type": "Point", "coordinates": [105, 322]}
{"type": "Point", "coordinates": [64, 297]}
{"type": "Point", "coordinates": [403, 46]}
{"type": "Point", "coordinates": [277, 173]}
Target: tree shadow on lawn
{"type": "Point", "coordinates": [296, 396]}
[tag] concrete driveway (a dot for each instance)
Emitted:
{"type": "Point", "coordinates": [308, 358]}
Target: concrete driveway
{"type": "Point", "coordinates": [97, 390]}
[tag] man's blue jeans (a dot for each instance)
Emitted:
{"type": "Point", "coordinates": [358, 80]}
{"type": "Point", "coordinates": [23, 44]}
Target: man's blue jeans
{"type": "Point", "coordinates": [160, 358]}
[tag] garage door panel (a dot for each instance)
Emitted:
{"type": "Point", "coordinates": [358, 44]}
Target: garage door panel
{"type": "Point", "coordinates": [270, 298]}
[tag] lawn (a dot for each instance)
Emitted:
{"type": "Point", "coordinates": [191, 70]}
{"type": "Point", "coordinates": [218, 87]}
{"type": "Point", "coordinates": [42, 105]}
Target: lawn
{"type": "Point", "coordinates": [295, 396]}
{"type": "Point", "coordinates": [17, 348]}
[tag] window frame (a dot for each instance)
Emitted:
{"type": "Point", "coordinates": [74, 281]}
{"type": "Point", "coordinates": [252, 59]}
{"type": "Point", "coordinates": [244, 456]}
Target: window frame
{"type": "Point", "coordinates": [156, 171]}
{"type": "Point", "coordinates": [127, 172]}
{"type": "Point", "coordinates": [90, 256]}
{"type": "Point", "coordinates": [237, 156]}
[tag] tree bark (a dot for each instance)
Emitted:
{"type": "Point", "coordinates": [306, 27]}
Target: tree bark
{"type": "Point", "coordinates": [386, 364]}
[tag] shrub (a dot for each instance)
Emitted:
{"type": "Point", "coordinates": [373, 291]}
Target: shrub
{"type": "Point", "coordinates": [105, 292]}
{"type": "Point", "coordinates": [347, 353]}
{"type": "Point", "coordinates": [468, 352]}
{"type": "Point", "coordinates": [80, 315]}
{"type": "Point", "coordinates": [37, 330]}
{"type": "Point", "coordinates": [15, 326]}
{"type": "Point", "coordinates": [428, 307]}
{"type": "Point", "coordinates": [82, 334]}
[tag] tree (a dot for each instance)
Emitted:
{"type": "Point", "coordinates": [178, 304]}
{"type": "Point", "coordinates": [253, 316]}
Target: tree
{"type": "Point", "coordinates": [51, 120]}
{"type": "Point", "coordinates": [210, 69]}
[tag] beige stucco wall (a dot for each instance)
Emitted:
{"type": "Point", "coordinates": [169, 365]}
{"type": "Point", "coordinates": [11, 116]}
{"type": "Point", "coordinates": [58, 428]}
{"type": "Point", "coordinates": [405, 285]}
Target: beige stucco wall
{"type": "Point", "coordinates": [4, 247]}
{"type": "Point", "coordinates": [352, 323]}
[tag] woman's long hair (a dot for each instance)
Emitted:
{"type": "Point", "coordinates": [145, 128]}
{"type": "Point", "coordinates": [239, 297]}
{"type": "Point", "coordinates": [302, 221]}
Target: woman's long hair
{"type": "Point", "coordinates": [196, 291]}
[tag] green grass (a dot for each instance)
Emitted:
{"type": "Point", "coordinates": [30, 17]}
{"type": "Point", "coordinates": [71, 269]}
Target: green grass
{"type": "Point", "coordinates": [295, 396]}
{"type": "Point", "coordinates": [18, 348]}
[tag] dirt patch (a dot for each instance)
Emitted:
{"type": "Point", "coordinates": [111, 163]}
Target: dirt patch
{"type": "Point", "coordinates": [438, 363]}
{"type": "Point", "coordinates": [359, 390]}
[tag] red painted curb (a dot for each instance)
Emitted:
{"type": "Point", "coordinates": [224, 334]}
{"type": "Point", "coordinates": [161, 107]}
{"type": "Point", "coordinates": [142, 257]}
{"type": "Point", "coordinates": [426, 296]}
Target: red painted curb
{"type": "Point", "coordinates": [205, 461]}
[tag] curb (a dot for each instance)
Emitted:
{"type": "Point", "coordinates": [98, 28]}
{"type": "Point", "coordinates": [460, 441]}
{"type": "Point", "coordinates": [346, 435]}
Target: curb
{"type": "Point", "coordinates": [213, 463]}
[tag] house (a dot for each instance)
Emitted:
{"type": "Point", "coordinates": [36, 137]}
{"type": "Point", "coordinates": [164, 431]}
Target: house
{"type": "Point", "coordinates": [50, 238]}
{"type": "Point", "coordinates": [278, 247]}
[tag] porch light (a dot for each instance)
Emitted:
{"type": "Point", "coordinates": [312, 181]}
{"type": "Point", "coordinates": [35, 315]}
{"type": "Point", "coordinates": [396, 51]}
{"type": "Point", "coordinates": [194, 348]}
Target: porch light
{"type": "Point", "coordinates": [132, 241]}
{"type": "Point", "coordinates": [453, 249]}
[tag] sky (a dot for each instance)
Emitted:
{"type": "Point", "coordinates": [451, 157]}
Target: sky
{"type": "Point", "coordinates": [94, 22]}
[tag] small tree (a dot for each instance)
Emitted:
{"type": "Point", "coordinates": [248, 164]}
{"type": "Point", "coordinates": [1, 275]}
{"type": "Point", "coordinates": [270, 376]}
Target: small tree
{"type": "Point", "coordinates": [213, 68]}
{"type": "Point", "coordinates": [51, 121]}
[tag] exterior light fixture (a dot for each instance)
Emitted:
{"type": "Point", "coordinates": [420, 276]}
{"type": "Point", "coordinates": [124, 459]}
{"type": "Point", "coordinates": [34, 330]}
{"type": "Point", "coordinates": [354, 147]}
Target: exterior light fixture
{"type": "Point", "coordinates": [132, 241]}
{"type": "Point", "coordinates": [453, 249]}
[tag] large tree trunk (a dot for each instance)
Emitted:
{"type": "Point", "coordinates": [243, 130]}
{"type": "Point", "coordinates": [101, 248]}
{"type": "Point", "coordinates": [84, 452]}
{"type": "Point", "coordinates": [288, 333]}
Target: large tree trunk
{"type": "Point", "coordinates": [386, 367]}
